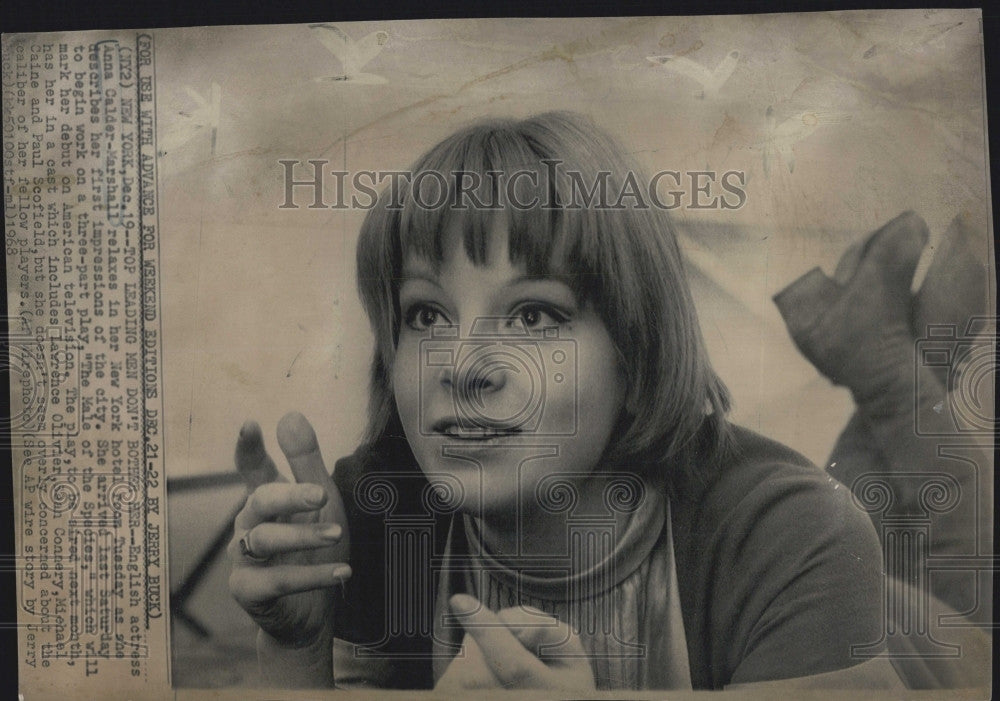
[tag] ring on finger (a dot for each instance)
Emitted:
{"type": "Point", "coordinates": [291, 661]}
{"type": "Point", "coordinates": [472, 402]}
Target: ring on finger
{"type": "Point", "coordinates": [247, 551]}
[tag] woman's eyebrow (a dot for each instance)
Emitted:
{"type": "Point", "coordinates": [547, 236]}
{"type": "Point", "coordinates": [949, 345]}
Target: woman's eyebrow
{"type": "Point", "coordinates": [418, 271]}
{"type": "Point", "coordinates": [545, 284]}
{"type": "Point", "coordinates": [410, 277]}
{"type": "Point", "coordinates": [538, 279]}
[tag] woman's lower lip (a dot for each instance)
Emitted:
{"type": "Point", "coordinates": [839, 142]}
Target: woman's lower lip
{"type": "Point", "coordinates": [479, 439]}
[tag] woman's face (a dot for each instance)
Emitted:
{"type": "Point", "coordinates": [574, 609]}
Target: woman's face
{"type": "Point", "coordinates": [500, 379]}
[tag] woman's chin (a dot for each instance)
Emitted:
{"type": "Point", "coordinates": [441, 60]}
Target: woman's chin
{"type": "Point", "coordinates": [488, 482]}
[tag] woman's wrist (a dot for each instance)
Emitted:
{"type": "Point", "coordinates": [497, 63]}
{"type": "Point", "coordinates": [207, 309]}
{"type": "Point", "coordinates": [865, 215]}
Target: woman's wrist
{"type": "Point", "coordinates": [296, 666]}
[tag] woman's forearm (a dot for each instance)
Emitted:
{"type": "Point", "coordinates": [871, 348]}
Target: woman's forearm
{"type": "Point", "coordinates": [308, 667]}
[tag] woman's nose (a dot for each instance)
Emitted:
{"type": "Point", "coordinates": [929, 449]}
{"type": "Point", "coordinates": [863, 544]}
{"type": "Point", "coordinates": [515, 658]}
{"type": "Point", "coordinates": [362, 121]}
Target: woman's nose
{"type": "Point", "coordinates": [476, 376]}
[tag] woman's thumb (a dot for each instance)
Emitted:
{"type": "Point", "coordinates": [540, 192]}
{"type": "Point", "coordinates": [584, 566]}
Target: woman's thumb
{"type": "Point", "coordinates": [252, 460]}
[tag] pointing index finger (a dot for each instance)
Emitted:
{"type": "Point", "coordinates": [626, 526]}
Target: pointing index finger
{"type": "Point", "coordinates": [298, 442]}
{"type": "Point", "coordinates": [506, 656]}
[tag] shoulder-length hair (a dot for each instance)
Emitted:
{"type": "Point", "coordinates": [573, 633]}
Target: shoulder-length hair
{"type": "Point", "coordinates": [616, 254]}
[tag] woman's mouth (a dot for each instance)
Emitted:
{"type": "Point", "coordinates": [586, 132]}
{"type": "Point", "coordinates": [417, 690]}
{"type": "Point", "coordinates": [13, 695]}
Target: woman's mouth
{"type": "Point", "coordinates": [481, 434]}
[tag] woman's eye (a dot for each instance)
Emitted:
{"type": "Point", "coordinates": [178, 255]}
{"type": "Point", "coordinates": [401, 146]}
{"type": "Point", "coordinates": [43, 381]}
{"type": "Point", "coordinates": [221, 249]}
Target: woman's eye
{"type": "Point", "coordinates": [421, 317]}
{"type": "Point", "coordinates": [537, 316]}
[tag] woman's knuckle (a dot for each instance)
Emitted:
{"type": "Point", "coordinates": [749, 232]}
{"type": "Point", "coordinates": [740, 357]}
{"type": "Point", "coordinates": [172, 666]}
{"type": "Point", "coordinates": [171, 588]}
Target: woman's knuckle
{"type": "Point", "coordinates": [254, 501]}
{"type": "Point", "coordinates": [281, 586]}
{"type": "Point", "coordinates": [237, 586]}
{"type": "Point", "coordinates": [265, 494]}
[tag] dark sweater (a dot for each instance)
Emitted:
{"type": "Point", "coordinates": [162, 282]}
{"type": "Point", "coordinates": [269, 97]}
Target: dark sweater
{"type": "Point", "coordinates": [779, 573]}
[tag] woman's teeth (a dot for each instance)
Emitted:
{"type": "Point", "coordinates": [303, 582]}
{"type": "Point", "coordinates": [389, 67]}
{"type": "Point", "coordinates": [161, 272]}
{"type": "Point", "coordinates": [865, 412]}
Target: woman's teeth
{"type": "Point", "coordinates": [479, 433]}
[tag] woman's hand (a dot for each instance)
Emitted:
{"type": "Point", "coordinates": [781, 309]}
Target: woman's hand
{"type": "Point", "coordinates": [515, 648]}
{"type": "Point", "coordinates": [290, 542]}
